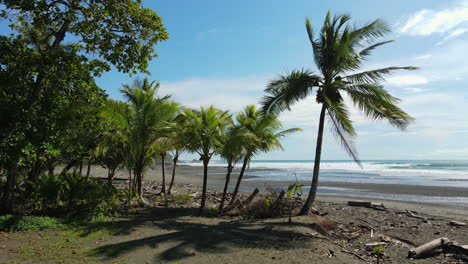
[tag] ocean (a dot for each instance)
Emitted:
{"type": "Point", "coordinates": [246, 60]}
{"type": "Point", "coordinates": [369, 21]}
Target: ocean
{"type": "Point", "coordinates": [441, 173]}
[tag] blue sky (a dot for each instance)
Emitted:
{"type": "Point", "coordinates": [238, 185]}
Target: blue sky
{"type": "Point", "coordinates": [224, 53]}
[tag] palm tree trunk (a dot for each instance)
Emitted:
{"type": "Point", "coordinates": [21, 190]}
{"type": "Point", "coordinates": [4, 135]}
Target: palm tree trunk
{"type": "Point", "coordinates": [139, 178]}
{"type": "Point", "coordinates": [163, 165]}
{"type": "Point", "coordinates": [174, 165]}
{"type": "Point", "coordinates": [6, 205]}
{"type": "Point", "coordinates": [226, 184]}
{"type": "Point", "coordinates": [205, 180]}
{"type": "Point", "coordinates": [239, 179]}
{"type": "Point", "coordinates": [318, 152]}
{"type": "Point", "coordinates": [81, 167]}
{"type": "Point", "coordinates": [88, 170]}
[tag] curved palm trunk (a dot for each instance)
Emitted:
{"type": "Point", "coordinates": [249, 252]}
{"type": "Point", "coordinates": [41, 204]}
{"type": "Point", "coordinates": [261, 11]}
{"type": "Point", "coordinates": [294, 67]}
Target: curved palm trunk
{"type": "Point", "coordinates": [239, 179]}
{"type": "Point", "coordinates": [228, 178]}
{"type": "Point", "coordinates": [163, 165]}
{"type": "Point", "coordinates": [205, 180]}
{"type": "Point", "coordinates": [318, 152]}
{"type": "Point", "coordinates": [174, 166]}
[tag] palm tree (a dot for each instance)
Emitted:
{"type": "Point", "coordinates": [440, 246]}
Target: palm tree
{"type": "Point", "coordinates": [143, 123]}
{"type": "Point", "coordinates": [266, 130]}
{"type": "Point", "coordinates": [112, 147]}
{"type": "Point", "coordinates": [205, 130]}
{"type": "Point", "coordinates": [339, 51]}
{"type": "Point", "coordinates": [233, 148]}
{"type": "Point", "coordinates": [180, 141]}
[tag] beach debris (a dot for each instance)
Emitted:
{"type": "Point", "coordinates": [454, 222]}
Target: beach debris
{"type": "Point", "coordinates": [238, 204]}
{"type": "Point", "coordinates": [195, 194]}
{"type": "Point", "coordinates": [428, 248]}
{"type": "Point", "coordinates": [354, 254]}
{"type": "Point", "coordinates": [397, 240]}
{"type": "Point", "coordinates": [414, 214]}
{"type": "Point", "coordinates": [375, 244]}
{"type": "Point", "coordinates": [456, 223]}
{"type": "Point", "coordinates": [447, 246]}
{"type": "Point", "coordinates": [375, 206]}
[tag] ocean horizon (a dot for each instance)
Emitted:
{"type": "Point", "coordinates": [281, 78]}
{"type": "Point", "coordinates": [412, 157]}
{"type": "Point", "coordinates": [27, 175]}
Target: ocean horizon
{"type": "Point", "coordinates": [433, 173]}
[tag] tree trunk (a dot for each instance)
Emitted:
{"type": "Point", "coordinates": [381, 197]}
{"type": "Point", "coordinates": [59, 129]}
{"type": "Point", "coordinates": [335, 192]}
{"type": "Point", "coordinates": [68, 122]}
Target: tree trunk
{"type": "Point", "coordinates": [241, 174]}
{"type": "Point", "coordinates": [88, 170]}
{"type": "Point", "coordinates": [318, 152]}
{"type": "Point", "coordinates": [33, 176]}
{"type": "Point", "coordinates": [6, 205]}
{"type": "Point", "coordinates": [205, 180]}
{"type": "Point", "coordinates": [51, 168]}
{"type": "Point", "coordinates": [81, 167]}
{"type": "Point", "coordinates": [69, 166]}
{"type": "Point", "coordinates": [226, 184]}
{"type": "Point", "coordinates": [139, 178]}
{"type": "Point", "coordinates": [174, 165]}
{"type": "Point", "coordinates": [110, 174]}
{"type": "Point", "coordinates": [163, 166]}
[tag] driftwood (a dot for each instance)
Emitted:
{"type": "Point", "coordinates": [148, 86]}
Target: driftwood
{"type": "Point", "coordinates": [250, 198]}
{"type": "Point", "coordinates": [397, 240]}
{"type": "Point", "coordinates": [413, 214]}
{"type": "Point", "coordinates": [376, 244]}
{"type": "Point", "coordinates": [237, 204]}
{"type": "Point", "coordinates": [375, 206]}
{"type": "Point", "coordinates": [456, 223]}
{"type": "Point", "coordinates": [441, 243]}
{"type": "Point", "coordinates": [428, 248]}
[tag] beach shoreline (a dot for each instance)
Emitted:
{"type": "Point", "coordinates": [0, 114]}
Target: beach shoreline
{"type": "Point", "coordinates": [433, 200]}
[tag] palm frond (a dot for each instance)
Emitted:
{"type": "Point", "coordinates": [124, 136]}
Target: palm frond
{"type": "Point", "coordinates": [288, 89]}
{"type": "Point", "coordinates": [342, 127]}
{"type": "Point", "coordinates": [376, 103]}
{"type": "Point", "coordinates": [375, 76]}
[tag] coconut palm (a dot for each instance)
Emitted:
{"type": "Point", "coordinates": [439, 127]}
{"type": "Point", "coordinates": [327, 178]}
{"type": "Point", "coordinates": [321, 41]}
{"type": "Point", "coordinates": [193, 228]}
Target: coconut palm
{"type": "Point", "coordinates": [112, 147]}
{"type": "Point", "coordinates": [143, 123]}
{"type": "Point", "coordinates": [339, 51]}
{"type": "Point", "coordinates": [265, 127]}
{"type": "Point", "coordinates": [205, 130]}
{"type": "Point", "coordinates": [180, 141]}
{"type": "Point", "coordinates": [233, 148]}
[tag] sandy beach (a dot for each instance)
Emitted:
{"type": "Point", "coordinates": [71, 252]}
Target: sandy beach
{"type": "Point", "coordinates": [420, 194]}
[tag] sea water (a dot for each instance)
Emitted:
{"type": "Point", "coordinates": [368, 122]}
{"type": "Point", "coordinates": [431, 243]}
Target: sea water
{"type": "Point", "coordinates": [446, 173]}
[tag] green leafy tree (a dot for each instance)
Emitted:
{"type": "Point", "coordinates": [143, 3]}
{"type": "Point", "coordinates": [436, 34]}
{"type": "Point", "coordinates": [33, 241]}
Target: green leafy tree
{"type": "Point", "coordinates": [339, 52]}
{"type": "Point", "coordinates": [266, 129]}
{"type": "Point", "coordinates": [143, 123]}
{"type": "Point", "coordinates": [39, 74]}
{"type": "Point", "coordinates": [205, 130]}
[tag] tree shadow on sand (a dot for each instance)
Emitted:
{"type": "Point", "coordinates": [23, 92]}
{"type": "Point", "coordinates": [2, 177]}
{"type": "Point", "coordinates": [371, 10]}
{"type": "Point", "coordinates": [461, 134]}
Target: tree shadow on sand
{"type": "Point", "coordinates": [184, 237]}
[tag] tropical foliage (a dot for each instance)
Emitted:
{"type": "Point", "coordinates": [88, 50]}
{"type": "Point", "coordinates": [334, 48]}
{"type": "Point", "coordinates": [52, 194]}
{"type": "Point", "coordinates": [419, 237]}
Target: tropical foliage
{"type": "Point", "coordinates": [340, 49]}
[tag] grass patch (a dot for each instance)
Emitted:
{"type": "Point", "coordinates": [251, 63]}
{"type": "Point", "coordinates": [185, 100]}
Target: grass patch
{"type": "Point", "coordinates": [25, 223]}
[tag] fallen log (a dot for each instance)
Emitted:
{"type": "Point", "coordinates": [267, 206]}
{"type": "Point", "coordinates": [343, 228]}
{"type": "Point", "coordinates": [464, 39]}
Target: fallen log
{"type": "Point", "coordinates": [456, 223]}
{"type": "Point", "coordinates": [428, 248]}
{"type": "Point", "coordinates": [237, 204]}
{"type": "Point", "coordinates": [250, 198]}
{"type": "Point", "coordinates": [375, 206]}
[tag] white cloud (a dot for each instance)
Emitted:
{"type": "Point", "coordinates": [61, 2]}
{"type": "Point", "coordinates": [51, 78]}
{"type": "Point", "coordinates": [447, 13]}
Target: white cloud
{"type": "Point", "coordinates": [457, 32]}
{"type": "Point", "coordinates": [427, 22]}
{"type": "Point", "coordinates": [226, 93]}
{"type": "Point", "coordinates": [412, 90]}
{"type": "Point", "coordinates": [407, 79]}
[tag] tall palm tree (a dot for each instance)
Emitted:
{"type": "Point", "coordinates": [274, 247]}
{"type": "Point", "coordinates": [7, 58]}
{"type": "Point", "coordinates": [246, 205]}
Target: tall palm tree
{"type": "Point", "coordinates": [232, 150]}
{"type": "Point", "coordinates": [339, 51]}
{"type": "Point", "coordinates": [205, 130]}
{"type": "Point", "coordinates": [144, 122]}
{"type": "Point", "coordinates": [265, 127]}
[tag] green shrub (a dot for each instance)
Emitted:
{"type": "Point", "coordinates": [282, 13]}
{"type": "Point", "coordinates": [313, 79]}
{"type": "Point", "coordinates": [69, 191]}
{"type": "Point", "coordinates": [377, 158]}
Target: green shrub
{"type": "Point", "coordinates": [12, 223]}
{"type": "Point", "coordinates": [88, 196]}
